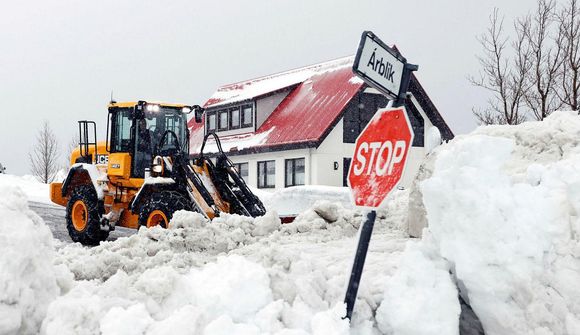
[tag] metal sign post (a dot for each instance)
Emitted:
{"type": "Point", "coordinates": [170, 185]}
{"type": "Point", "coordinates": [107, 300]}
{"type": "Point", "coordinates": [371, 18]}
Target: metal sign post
{"type": "Point", "coordinates": [387, 71]}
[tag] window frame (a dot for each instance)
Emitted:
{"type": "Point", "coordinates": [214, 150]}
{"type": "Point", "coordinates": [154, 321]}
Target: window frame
{"type": "Point", "coordinates": [293, 172]}
{"type": "Point", "coordinates": [230, 111]}
{"type": "Point", "coordinates": [209, 115]}
{"type": "Point", "coordinates": [264, 183]}
{"type": "Point", "coordinates": [237, 166]}
{"type": "Point", "coordinates": [243, 123]}
{"type": "Point", "coordinates": [117, 141]}
{"type": "Point", "coordinates": [219, 119]}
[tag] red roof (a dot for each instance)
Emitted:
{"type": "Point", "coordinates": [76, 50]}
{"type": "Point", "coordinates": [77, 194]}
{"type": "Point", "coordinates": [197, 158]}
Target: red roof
{"type": "Point", "coordinates": [320, 94]}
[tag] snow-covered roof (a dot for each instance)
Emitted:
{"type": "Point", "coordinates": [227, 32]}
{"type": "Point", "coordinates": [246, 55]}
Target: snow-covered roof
{"type": "Point", "coordinates": [254, 88]}
{"type": "Point", "coordinates": [318, 94]}
{"type": "Point", "coordinates": [304, 117]}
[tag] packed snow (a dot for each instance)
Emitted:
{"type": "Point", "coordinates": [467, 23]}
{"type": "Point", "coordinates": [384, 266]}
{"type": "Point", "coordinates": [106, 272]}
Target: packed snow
{"type": "Point", "coordinates": [500, 205]}
{"type": "Point", "coordinates": [32, 189]}
{"type": "Point", "coordinates": [29, 281]}
{"type": "Point", "coordinates": [502, 210]}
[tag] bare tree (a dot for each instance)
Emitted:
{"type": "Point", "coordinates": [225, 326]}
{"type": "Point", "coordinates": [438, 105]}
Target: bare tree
{"type": "Point", "coordinates": [544, 42]}
{"type": "Point", "coordinates": [44, 156]}
{"type": "Point", "coordinates": [502, 75]}
{"type": "Point", "coordinates": [569, 22]}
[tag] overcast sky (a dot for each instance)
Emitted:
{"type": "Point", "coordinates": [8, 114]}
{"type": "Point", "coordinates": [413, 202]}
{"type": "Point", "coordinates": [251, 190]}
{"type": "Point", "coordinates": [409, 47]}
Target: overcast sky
{"type": "Point", "coordinates": [60, 60]}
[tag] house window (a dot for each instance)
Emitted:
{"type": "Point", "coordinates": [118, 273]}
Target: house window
{"type": "Point", "coordinates": [294, 172]}
{"type": "Point", "coordinates": [242, 169]}
{"type": "Point", "coordinates": [223, 120]}
{"type": "Point", "coordinates": [234, 118]}
{"type": "Point", "coordinates": [247, 116]}
{"type": "Point", "coordinates": [211, 122]}
{"type": "Point", "coordinates": [267, 174]}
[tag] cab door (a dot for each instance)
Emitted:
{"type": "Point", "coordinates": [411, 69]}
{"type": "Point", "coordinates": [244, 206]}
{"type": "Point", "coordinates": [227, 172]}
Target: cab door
{"type": "Point", "coordinates": [121, 142]}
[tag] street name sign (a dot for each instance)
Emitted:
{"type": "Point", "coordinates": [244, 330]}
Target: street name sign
{"type": "Point", "coordinates": [378, 65]}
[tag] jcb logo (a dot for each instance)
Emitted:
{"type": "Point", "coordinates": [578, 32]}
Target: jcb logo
{"type": "Point", "coordinates": [102, 159]}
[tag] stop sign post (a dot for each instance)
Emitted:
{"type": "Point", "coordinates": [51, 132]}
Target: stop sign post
{"type": "Point", "coordinates": [382, 148]}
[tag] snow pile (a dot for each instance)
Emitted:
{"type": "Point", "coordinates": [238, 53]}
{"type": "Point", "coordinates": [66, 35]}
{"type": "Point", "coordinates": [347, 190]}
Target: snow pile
{"type": "Point", "coordinates": [234, 275]}
{"type": "Point", "coordinates": [33, 189]}
{"type": "Point", "coordinates": [503, 208]}
{"type": "Point", "coordinates": [295, 200]}
{"type": "Point", "coordinates": [28, 280]}
{"type": "Point", "coordinates": [245, 281]}
{"type": "Point", "coordinates": [421, 298]}
{"type": "Point", "coordinates": [190, 240]}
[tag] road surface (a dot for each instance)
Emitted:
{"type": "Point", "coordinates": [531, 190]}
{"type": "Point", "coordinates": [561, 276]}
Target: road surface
{"type": "Point", "coordinates": [53, 215]}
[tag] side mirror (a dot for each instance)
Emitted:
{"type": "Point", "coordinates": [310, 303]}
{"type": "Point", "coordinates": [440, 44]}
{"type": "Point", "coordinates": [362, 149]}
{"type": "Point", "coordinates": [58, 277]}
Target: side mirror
{"type": "Point", "coordinates": [198, 113]}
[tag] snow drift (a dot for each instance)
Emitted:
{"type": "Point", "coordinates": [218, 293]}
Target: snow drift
{"type": "Point", "coordinates": [503, 206]}
{"type": "Point", "coordinates": [28, 279]}
{"type": "Point", "coordinates": [233, 275]}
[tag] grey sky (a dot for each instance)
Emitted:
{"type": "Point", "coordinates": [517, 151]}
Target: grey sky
{"type": "Point", "coordinates": [59, 60]}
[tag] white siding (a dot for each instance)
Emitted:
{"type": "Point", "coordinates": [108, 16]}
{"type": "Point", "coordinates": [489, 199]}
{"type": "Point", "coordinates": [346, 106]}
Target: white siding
{"type": "Point", "coordinates": [319, 162]}
{"type": "Point", "coordinates": [279, 157]}
{"type": "Point", "coordinates": [265, 106]}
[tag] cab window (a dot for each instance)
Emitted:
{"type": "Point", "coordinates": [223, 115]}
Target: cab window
{"type": "Point", "coordinates": [121, 131]}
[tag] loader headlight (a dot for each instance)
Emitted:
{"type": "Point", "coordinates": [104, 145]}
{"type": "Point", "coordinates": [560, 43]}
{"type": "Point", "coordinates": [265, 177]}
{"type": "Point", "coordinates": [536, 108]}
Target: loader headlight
{"type": "Point", "coordinates": [157, 166]}
{"type": "Point", "coordinates": [152, 108]}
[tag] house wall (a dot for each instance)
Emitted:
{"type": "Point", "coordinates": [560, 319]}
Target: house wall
{"type": "Point", "coordinates": [279, 157]}
{"type": "Point", "coordinates": [265, 106]}
{"type": "Point", "coordinates": [320, 162]}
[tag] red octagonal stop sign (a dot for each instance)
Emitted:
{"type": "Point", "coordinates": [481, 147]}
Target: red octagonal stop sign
{"type": "Point", "coordinates": [380, 155]}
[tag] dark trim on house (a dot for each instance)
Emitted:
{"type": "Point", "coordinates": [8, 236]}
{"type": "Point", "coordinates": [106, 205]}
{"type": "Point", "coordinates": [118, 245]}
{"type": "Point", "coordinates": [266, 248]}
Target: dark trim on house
{"type": "Point", "coordinates": [252, 99]}
{"type": "Point", "coordinates": [430, 109]}
{"type": "Point", "coordinates": [266, 148]}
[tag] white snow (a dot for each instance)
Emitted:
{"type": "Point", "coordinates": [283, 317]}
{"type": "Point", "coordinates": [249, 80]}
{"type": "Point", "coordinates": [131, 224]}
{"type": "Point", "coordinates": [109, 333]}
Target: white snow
{"type": "Point", "coordinates": [295, 200]}
{"type": "Point", "coordinates": [250, 89]}
{"type": "Point", "coordinates": [502, 206]}
{"type": "Point", "coordinates": [28, 279]}
{"type": "Point", "coordinates": [233, 143]}
{"type": "Point", "coordinates": [32, 189]}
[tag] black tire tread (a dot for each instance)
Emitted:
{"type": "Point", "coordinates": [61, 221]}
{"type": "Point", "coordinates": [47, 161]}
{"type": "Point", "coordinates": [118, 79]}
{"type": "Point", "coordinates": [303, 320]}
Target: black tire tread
{"type": "Point", "coordinates": [92, 234]}
{"type": "Point", "coordinates": [168, 202]}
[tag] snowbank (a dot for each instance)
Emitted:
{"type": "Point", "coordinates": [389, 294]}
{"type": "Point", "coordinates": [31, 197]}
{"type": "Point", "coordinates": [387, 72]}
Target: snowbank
{"type": "Point", "coordinates": [32, 188]}
{"type": "Point", "coordinates": [234, 275]}
{"type": "Point", "coordinates": [28, 280]}
{"type": "Point", "coordinates": [295, 200]}
{"type": "Point", "coordinates": [503, 209]}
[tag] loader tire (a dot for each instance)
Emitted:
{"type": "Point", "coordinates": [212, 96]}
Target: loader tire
{"type": "Point", "coordinates": [159, 209]}
{"type": "Point", "coordinates": [82, 217]}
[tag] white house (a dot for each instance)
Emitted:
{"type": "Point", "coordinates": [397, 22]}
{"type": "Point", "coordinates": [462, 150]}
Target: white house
{"type": "Point", "coordinates": [299, 127]}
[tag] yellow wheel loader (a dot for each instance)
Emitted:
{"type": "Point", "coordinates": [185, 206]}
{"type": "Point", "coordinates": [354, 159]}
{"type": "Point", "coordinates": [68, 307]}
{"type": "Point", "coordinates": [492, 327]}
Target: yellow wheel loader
{"type": "Point", "coordinates": [143, 173]}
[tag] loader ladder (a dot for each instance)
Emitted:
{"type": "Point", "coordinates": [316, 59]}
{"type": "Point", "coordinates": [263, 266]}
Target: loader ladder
{"type": "Point", "coordinates": [84, 143]}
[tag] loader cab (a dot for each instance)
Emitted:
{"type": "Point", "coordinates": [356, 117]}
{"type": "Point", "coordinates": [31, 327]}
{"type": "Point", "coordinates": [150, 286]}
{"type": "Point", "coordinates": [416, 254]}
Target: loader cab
{"type": "Point", "coordinates": [140, 130]}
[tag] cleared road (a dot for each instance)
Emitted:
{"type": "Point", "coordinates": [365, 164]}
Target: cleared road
{"type": "Point", "coordinates": [53, 215]}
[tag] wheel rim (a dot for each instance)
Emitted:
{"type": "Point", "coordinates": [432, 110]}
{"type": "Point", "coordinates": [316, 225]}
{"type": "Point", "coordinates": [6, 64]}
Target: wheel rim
{"type": "Point", "coordinates": [157, 217]}
{"type": "Point", "coordinates": [79, 215]}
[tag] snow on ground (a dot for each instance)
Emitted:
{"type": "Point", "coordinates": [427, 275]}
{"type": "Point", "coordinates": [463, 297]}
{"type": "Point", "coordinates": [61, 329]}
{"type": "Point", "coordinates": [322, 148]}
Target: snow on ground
{"type": "Point", "coordinates": [503, 209]}
{"type": "Point", "coordinates": [295, 200]}
{"type": "Point", "coordinates": [233, 275]}
{"type": "Point", "coordinates": [31, 187]}
{"type": "Point", "coordinates": [29, 281]}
